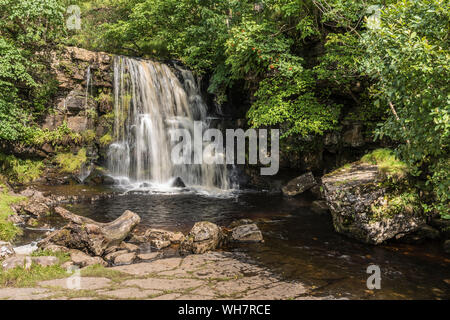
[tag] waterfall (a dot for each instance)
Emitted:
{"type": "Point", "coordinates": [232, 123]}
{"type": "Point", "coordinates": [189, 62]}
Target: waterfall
{"type": "Point", "coordinates": [88, 84]}
{"type": "Point", "coordinates": [149, 100]}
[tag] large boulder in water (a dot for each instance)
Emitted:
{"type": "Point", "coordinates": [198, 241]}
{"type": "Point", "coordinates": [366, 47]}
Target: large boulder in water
{"type": "Point", "coordinates": [299, 185]}
{"type": "Point", "coordinates": [204, 236]}
{"type": "Point", "coordinates": [360, 208]}
{"type": "Point", "coordinates": [90, 236]}
{"type": "Point", "coordinates": [164, 235]}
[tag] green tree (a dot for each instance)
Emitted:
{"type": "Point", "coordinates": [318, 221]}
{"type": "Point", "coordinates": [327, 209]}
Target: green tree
{"type": "Point", "coordinates": [408, 58]}
{"type": "Point", "coordinates": [28, 30]}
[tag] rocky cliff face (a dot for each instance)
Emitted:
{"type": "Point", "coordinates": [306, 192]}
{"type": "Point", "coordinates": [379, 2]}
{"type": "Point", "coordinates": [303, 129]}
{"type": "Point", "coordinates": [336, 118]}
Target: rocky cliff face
{"type": "Point", "coordinates": [353, 195]}
{"type": "Point", "coordinates": [85, 97]}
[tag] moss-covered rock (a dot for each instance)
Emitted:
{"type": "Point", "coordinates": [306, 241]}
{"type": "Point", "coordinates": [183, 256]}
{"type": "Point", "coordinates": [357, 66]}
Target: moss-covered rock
{"type": "Point", "coordinates": [365, 208]}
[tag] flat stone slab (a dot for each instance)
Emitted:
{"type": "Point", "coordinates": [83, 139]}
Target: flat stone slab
{"type": "Point", "coordinates": [24, 293]}
{"type": "Point", "coordinates": [86, 283]}
{"type": "Point", "coordinates": [130, 293]}
{"type": "Point", "coordinates": [214, 275]}
{"type": "Point", "coordinates": [149, 267]}
{"type": "Point", "coordinates": [165, 284]}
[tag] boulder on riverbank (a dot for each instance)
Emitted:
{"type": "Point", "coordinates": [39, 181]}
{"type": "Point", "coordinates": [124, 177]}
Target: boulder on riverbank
{"type": "Point", "coordinates": [299, 185]}
{"type": "Point", "coordinates": [361, 206]}
{"type": "Point", "coordinates": [90, 236]}
{"type": "Point", "coordinates": [204, 236]}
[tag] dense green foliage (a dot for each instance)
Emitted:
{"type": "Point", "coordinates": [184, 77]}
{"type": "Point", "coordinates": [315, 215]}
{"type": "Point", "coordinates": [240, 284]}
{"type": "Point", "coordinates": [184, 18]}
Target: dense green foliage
{"type": "Point", "coordinates": [408, 57]}
{"type": "Point", "coordinates": [307, 65]}
{"type": "Point", "coordinates": [28, 30]}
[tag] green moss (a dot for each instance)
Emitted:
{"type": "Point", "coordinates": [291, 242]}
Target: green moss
{"type": "Point", "coordinates": [70, 163]}
{"type": "Point", "coordinates": [88, 136]}
{"type": "Point", "coordinates": [404, 203]}
{"type": "Point", "coordinates": [106, 140]}
{"type": "Point", "coordinates": [387, 163]}
{"type": "Point", "coordinates": [8, 231]}
{"type": "Point", "coordinates": [20, 170]}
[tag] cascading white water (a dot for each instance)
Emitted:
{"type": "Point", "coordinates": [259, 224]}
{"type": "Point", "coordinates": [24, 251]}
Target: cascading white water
{"type": "Point", "coordinates": [148, 101]}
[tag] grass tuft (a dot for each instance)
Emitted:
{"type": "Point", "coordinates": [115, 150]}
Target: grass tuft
{"type": "Point", "coordinates": [8, 231]}
{"type": "Point", "coordinates": [388, 164]}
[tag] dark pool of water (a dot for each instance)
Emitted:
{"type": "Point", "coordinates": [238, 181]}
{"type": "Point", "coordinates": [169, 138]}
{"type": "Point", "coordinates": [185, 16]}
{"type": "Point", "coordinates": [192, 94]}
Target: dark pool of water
{"type": "Point", "coordinates": [299, 244]}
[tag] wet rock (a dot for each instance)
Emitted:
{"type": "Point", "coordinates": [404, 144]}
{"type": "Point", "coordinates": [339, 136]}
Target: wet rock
{"type": "Point", "coordinates": [89, 236]}
{"type": "Point", "coordinates": [36, 208]}
{"type": "Point", "coordinates": [126, 258]}
{"type": "Point", "coordinates": [159, 244]}
{"type": "Point", "coordinates": [81, 259]}
{"type": "Point", "coordinates": [246, 233]}
{"type": "Point", "coordinates": [32, 193]}
{"type": "Point", "coordinates": [299, 185]}
{"type": "Point", "coordinates": [6, 250]}
{"type": "Point", "coordinates": [129, 247]}
{"type": "Point", "coordinates": [319, 206]}
{"type": "Point", "coordinates": [159, 234]}
{"type": "Point", "coordinates": [108, 181]}
{"type": "Point", "coordinates": [98, 177]}
{"type": "Point", "coordinates": [113, 255]}
{"type": "Point", "coordinates": [137, 238]}
{"type": "Point", "coordinates": [424, 232]}
{"type": "Point", "coordinates": [178, 183]}
{"type": "Point", "coordinates": [204, 236]}
{"type": "Point", "coordinates": [148, 256]}
{"type": "Point", "coordinates": [351, 194]}
{"type": "Point", "coordinates": [239, 222]}
{"type": "Point", "coordinates": [111, 249]}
